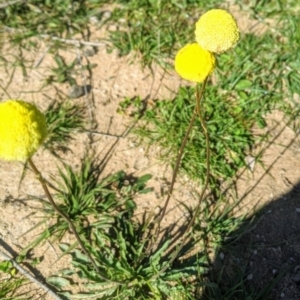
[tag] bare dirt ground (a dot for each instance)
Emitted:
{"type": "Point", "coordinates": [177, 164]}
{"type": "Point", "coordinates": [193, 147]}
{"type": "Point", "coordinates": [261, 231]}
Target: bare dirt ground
{"type": "Point", "coordinates": [271, 247]}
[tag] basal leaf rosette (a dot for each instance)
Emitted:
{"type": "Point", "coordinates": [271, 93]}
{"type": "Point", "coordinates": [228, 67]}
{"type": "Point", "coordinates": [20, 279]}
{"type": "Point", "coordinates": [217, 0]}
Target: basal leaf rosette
{"type": "Point", "coordinates": [194, 63]}
{"type": "Point", "coordinates": [217, 31]}
{"type": "Point", "coordinates": [22, 130]}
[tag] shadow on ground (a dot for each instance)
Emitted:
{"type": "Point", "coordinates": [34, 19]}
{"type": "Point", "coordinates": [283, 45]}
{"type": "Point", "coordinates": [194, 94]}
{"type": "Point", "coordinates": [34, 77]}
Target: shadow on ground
{"type": "Point", "coordinates": [264, 262]}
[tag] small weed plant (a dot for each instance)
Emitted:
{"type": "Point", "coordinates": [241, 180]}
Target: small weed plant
{"type": "Point", "coordinates": [63, 120]}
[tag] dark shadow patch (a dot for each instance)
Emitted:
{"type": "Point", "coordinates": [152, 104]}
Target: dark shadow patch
{"type": "Point", "coordinates": [263, 262]}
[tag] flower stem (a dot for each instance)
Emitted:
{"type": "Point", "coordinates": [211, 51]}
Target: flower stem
{"type": "Point", "coordinates": [199, 96]}
{"type": "Point", "coordinates": [177, 164]}
{"type": "Point", "coordinates": [203, 125]}
{"type": "Point", "coordinates": [66, 218]}
{"type": "Point", "coordinates": [184, 142]}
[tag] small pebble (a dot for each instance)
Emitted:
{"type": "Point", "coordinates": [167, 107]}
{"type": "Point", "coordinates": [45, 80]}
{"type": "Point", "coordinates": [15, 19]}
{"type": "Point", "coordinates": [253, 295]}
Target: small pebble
{"type": "Point", "coordinates": [126, 182]}
{"type": "Point", "coordinates": [250, 277]}
{"type": "Point", "coordinates": [282, 295]}
{"type": "Point", "coordinates": [157, 210]}
{"type": "Point", "coordinates": [298, 210]}
{"type": "Point", "coordinates": [296, 278]}
{"type": "Point", "coordinates": [112, 27]}
{"type": "Point", "coordinates": [76, 91]}
{"type": "Point", "coordinates": [94, 20]}
{"type": "Point", "coordinates": [141, 163]}
{"type": "Point", "coordinates": [89, 51]}
{"type": "Point", "coordinates": [222, 255]}
{"type": "Point", "coordinates": [122, 20]}
{"type": "Point", "coordinates": [250, 161]}
{"type": "Point", "coordinates": [132, 144]}
{"type": "Point", "coordinates": [106, 15]}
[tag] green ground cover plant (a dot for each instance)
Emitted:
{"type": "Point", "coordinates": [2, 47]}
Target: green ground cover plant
{"type": "Point", "coordinates": [230, 135]}
{"type": "Point", "coordinates": [89, 200]}
{"type": "Point", "coordinates": [149, 27]}
{"type": "Point", "coordinates": [64, 119]}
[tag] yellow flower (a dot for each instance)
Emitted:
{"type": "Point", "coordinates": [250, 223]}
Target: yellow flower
{"type": "Point", "coordinates": [194, 63]}
{"type": "Point", "coordinates": [22, 130]}
{"type": "Point", "coordinates": [217, 31]}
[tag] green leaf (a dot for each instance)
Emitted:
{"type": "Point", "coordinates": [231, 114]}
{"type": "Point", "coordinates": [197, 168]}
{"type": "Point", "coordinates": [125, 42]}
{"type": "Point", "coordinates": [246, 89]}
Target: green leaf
{"type": "Point", "coordinates": [67, 272]}
{"type": "Point", "coordinates": [89, 295]}
{"type": "Point", "coordinates": [261, 123]}
{"type": "Point", "coordinates": [58, 282]}
{"type": "Point", "coordinates": [5, 266]}
{"type": "Point", "coordinates": [154, 259]}
{"type": "Point", "coordinates": [66, 249]}
{"type": "Point", "coordinates": [81, 257]}
{"type": "Point", "coordinates": [243, 84]}
{"type": "Point", "coordinates": [146, 191]}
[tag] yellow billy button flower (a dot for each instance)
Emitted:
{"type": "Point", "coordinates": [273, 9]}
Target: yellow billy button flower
{"type": "Point", "coordinates": [194, 63]}
{"type": "Point", "coordinates": [22, 130]}
{"type": "Point", "coordinates": [217, 31]}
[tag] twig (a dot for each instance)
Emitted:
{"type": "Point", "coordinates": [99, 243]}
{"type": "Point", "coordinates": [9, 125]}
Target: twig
{"type": "Point", "coordinates": [29, 276]}
{"type": "Point", "coordinates": [56, 38]}
{"type": "Point", "coordinates": [87, 98]}
{"type": "Point", "coordinates": [86, 95]}
{"type": "Point", "coordinates": [104, 134]}
{"type": "Point", "coordinates": [72, 41]}
{"type": "Point", "coordinates": [38, 62]}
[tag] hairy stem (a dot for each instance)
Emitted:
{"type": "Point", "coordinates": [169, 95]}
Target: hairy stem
{"type": "Point", "coordinates": [178, 160]}
{"type": "Point", "coordinates": [199, 96]}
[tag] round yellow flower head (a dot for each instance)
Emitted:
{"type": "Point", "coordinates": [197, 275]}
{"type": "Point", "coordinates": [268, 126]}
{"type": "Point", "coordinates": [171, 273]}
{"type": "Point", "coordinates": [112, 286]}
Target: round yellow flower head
{"type": "Point", "coordinates": [22, 130]}
{"type": "Point", "coordinates": [217, 31]}
{"type": "Point", "coordinates": [194, 63]}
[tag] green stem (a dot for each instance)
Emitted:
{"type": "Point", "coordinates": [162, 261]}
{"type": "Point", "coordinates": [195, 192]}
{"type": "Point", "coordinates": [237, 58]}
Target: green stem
{"type": "Point", "coordinates": [199, 96]}
{"type": "Point", "coordinates": [203, 125]}
{"type": "Point", "coordinates": [67, 219]}
{"type": "Point", "coordinates": [178, 160]}
{"type": "Point", "coordinates": [177, 164]}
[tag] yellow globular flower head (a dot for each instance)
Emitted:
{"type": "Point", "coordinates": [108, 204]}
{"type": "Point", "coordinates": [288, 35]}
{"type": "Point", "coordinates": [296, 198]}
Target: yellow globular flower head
{"type": "Point", "coordinates": [217, 31]}
{"type": "Point", "coordinates": [22, 130]}
{"type": "Point", "coordinates": [194, 63]}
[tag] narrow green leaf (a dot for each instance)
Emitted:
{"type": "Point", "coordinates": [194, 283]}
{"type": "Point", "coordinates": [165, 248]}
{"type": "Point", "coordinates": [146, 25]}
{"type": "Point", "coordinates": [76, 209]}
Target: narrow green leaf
{"type": "Point", "coordinates": [243, 84]}
{"type": "Point", "coordinates": [5, 266]}
{"type": "Point", "coordinates": [58, 282]}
